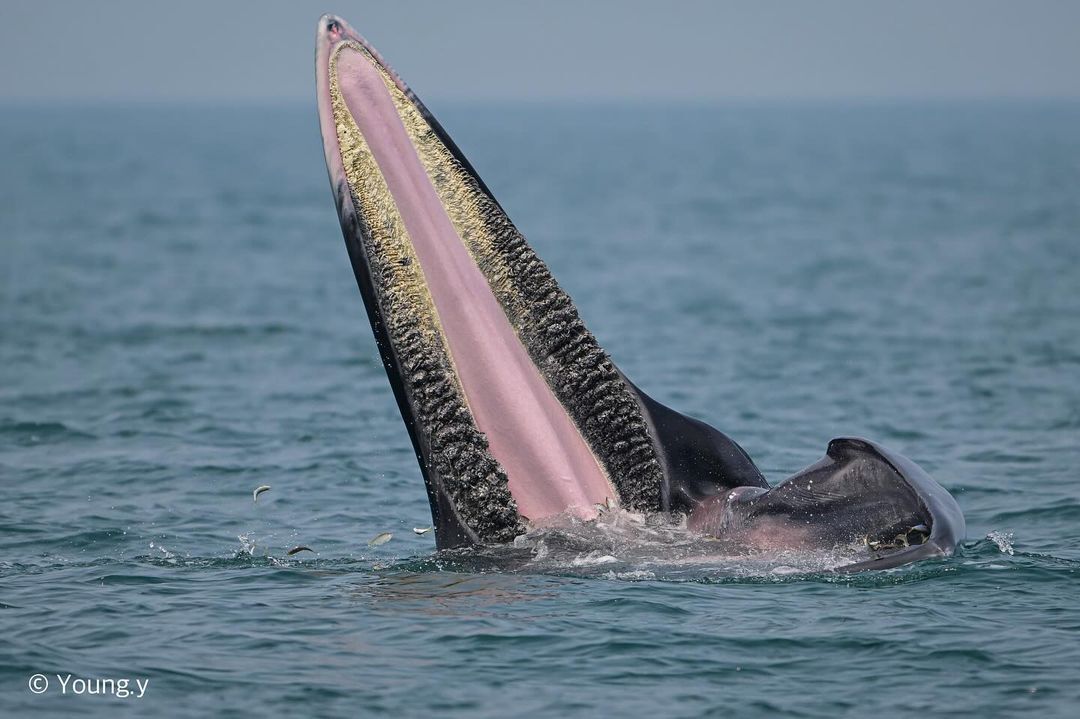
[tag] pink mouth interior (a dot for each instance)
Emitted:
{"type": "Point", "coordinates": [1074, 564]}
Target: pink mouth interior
{"type": "Point", "coordinates": [550, 467]}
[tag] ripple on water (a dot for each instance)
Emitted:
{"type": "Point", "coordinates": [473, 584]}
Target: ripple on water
{"type": "Point", "coordinates": [27, 434]}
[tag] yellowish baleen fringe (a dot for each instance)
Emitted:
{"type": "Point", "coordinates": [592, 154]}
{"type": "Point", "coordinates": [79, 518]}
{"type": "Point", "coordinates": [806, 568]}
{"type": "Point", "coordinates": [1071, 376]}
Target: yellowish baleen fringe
{"type": "Point", "coordinates": [466, 206]}
{"type": "Point", "coordinates": [401, 275]}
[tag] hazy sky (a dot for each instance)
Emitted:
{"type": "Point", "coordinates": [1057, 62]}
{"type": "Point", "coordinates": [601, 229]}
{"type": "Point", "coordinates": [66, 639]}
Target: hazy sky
{"type": "Point", "coordinates": [212, 50]}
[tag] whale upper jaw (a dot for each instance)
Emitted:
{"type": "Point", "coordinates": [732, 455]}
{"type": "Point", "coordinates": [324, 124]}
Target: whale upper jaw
{"type": "Point", "coordinates": [515, 412]}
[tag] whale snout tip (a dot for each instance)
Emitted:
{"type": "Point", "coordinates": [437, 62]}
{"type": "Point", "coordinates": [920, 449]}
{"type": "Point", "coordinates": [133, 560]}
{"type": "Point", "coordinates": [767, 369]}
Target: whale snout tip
{"type": "Point", "coordinates": [331, 25]}
{"type": "Point", "coordinates": [334, 29]}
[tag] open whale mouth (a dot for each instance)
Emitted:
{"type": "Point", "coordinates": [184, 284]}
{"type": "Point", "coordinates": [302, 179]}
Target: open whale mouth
{"type": "Point", "coordinates": [514, 410]}
{"type": "Point", "coordinates": [516, 413]}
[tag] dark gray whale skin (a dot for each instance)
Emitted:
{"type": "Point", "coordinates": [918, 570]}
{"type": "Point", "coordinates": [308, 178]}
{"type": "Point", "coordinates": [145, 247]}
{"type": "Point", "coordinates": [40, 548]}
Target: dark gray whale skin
{"type": "Point", "coordinates": [858, 491]}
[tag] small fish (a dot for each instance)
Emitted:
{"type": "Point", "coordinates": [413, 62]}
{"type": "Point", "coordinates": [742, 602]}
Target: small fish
{"type": "Point", "coordinates": [421, 530]}
{"type": "Point", "coordinates": [259, 490]}
{"type": "Point", "coordinates": [301, 548]}
{"type": "Point", "coordinates": [381, 538]}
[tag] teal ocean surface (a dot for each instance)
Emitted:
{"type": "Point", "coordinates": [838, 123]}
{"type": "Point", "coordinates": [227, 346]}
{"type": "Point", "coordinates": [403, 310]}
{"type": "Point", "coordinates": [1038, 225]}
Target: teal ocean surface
{"type": "Point", "coordinates": [179, 324]}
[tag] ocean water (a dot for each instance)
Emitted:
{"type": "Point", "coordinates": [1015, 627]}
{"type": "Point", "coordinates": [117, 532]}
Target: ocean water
{"type": "Point", "coordinates": [179, 324]}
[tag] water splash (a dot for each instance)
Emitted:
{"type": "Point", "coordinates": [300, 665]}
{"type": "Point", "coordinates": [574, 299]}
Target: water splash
{"type": "Point", "coordinates": [168, 556]}
{"type": "Point", "coordinates": [1003, 540]}
{"type": "Point", "coordinates": [623, 545]}
{"type": "Point", "coordinates": [247, 545]}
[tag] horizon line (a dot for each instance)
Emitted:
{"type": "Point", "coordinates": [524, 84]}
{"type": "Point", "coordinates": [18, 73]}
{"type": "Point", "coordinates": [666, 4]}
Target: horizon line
{"type": "Point", "coordinates": [223, 101]}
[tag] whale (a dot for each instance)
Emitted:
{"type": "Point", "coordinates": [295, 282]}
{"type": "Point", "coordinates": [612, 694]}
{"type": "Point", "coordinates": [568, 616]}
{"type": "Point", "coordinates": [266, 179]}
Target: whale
{"type": "Point", "coordinates": [515, 412]}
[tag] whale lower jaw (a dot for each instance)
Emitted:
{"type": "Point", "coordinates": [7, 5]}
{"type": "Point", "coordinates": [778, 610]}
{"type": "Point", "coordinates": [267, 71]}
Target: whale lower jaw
{"type": "Point", "coordinates": [858, 494]}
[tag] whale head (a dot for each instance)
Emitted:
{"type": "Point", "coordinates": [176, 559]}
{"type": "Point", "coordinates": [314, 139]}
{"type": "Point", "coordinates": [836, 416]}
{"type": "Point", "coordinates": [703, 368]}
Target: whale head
{"type": "Point", "coordinates": [515, 412]}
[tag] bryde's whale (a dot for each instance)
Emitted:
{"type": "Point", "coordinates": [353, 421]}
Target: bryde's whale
{"type": "Point", "coordinates": [516, 413]}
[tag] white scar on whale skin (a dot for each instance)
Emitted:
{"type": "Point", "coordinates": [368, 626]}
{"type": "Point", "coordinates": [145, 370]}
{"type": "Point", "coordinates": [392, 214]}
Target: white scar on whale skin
{"type": "Point", "coordinates": [549, 466]}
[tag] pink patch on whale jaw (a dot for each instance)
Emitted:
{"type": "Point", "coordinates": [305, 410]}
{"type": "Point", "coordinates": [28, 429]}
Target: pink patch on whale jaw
{"type": "Point", "coordinates": [716, 517]}
{"type": "Point", "coordinates": [551, 469]}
